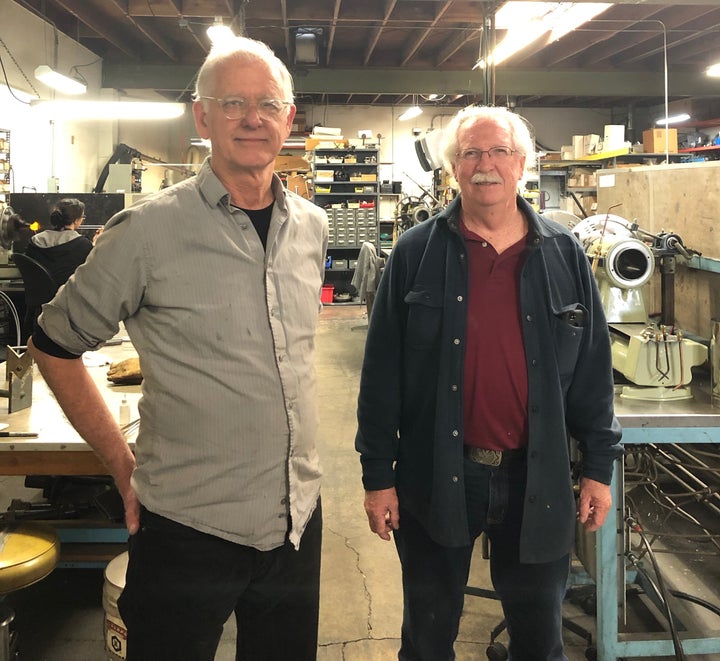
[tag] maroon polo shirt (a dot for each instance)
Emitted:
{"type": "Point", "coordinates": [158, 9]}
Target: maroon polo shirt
{"type": "Point", "coordinates": [495, 374]}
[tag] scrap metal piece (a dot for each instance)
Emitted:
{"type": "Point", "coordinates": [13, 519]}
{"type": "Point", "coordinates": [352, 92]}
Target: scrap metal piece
{"type": "Point", "coordinates": [19, 376]}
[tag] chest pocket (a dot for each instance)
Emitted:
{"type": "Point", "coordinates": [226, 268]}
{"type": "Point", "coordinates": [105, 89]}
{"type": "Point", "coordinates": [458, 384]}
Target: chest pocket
{"type": "Point", "coordinates": [568, 329]}
{"type": "Point", "coordinates": [424, 316]}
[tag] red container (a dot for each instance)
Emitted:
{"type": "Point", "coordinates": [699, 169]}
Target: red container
{"type": "Point", "coordinates": [327, 294]}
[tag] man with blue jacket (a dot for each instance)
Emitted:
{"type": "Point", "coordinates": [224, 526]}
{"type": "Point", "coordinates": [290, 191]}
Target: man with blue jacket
{"type": "Point", "coordinates": [487, 351]}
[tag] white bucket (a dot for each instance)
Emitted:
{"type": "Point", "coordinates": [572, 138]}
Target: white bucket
{"type": "Point", "coordinates": [114, 627]}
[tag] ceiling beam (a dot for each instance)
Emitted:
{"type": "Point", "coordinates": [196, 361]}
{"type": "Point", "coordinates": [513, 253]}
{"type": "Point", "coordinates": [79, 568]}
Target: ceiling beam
{"type": "Point", "coordinates": [414, 81]}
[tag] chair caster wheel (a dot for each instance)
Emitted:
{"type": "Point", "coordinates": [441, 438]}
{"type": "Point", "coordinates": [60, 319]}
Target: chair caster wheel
{"type": "Point", "coordinates": [496, 652]}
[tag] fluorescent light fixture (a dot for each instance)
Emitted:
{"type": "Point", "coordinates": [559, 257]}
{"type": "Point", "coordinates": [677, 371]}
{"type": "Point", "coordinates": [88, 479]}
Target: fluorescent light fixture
{"type": "Point", "coordinates": [714, 70]}
{"type": "Point", "coordinates": [410, 113]}
{"type": "Point", "coordinates": [58, 82]}
{"type": "Point", "coordinates": [219, 33]}
{"type": "Point", "coordinates": [674, 119]}
{"type": "Point", "coordinates": [565, 18]}
{"type": "Point", "coordinates": [527, 22]}
{"type": "Point", "coordinates": [87, 110]}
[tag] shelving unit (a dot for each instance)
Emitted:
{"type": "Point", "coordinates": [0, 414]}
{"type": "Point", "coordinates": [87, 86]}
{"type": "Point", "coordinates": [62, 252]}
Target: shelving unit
{"type": "Point", "coordinates": [345, 184]}
{"type": "Point", "coordinates": [4, 165]}
{"type": "Point", "coordinates": [556, 176]}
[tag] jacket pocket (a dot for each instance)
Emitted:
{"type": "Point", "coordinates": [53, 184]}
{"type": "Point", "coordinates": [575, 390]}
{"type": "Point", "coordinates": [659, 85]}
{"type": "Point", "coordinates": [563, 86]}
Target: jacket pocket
{"type": "Point", "coordinates": [424, 319]}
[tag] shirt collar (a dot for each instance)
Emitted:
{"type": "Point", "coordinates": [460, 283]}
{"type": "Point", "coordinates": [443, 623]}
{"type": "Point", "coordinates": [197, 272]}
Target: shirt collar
{"type": "Point", "coordinates": [214, 192]}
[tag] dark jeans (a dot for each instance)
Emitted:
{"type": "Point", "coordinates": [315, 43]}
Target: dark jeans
{"type": "Point", "coordinates": [182, 585]}
{"type": "Point", "coordinates": [434, 577]}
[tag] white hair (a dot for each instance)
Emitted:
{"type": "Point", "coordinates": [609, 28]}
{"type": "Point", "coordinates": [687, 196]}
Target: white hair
{"type": "Point", "coordinates": [520, 132]}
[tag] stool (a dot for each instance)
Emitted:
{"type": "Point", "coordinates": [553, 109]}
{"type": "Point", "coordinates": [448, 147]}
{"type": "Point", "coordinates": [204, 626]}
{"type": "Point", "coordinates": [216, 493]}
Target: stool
{"type": "Point", "coordinates": [28, 553]}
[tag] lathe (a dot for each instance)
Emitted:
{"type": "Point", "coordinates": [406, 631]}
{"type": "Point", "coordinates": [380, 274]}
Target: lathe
{"type": "Point", "coordinates": [656, 357]}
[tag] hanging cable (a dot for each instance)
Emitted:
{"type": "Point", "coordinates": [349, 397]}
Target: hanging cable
{"type": "Point", "coordinates": [16, 318]}
{"type": "Point", "coordinates": [633, 524]}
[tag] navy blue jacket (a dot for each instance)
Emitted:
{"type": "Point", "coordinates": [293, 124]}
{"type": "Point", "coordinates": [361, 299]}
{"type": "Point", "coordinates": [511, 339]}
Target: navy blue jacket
{"type": "Point", "coordinates": [410, 407]}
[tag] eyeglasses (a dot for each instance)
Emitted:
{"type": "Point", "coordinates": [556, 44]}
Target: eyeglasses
{"type": "Point", "coordinates": [236, 107]}
{"type": "Point", "coordinates": [496, 154]}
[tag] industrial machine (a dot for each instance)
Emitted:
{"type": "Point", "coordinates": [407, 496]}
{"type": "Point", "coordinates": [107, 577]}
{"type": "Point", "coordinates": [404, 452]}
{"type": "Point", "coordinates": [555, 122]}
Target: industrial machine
{"type": "Point", "coordinates": [654, 356]}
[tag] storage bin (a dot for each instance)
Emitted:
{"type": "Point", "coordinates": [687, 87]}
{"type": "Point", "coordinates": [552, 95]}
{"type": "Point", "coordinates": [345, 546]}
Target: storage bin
{"type": "Point", "coordinates": [327, 293]}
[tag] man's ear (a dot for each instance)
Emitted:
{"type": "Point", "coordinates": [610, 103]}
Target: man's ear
{"type": "Point", "coordinates": [200, 116]}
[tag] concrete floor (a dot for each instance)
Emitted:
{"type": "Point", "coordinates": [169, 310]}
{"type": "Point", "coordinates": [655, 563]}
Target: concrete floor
{"type": "Point", "coordinates": [61, 618]}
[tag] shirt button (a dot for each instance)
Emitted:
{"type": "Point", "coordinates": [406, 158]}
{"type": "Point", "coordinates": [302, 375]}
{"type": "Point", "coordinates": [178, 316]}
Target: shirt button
{"type": "Point", "coordinates": [455, 432]}
{"type": "Point", "coordinates": [484, 244]}
{"type": "Point", "coordinates": [455, 478]}
{"type": "Point", "coordinates": [459, 298]}
{"type": "Point", "coordinates": [454, 388]}
{"type": "Point", "coordinates": [533, 362]}
{"type": "Point", "coordinates": [529, 317]}
{"type": "Point", "coordinates": [456, 341]}
{"type": "Point", "coordinates": [281, 357]}
{"type": "Point", "coordinates": [283, 501]}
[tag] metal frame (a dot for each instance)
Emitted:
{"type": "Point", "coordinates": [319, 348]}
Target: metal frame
{"type": "Point", "coordinates": [694, 421]}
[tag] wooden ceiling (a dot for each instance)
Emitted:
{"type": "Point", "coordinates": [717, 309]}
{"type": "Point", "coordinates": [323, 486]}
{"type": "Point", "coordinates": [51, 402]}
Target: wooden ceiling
{"type": "Point", "coordinates": [382, 52]}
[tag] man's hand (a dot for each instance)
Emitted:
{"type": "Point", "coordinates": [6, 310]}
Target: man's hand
{"type": "Point", "coordinates": [595, 503]}
{"type": "Point", "coordinates": [382, 511]}
{"type": "Point", "coordinates": [132, 509]}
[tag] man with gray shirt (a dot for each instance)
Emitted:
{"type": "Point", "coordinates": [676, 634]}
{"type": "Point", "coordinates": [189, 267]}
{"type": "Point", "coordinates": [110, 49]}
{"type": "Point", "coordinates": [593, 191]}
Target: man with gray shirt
{"type": "Point", "coordinates": [217, 281]}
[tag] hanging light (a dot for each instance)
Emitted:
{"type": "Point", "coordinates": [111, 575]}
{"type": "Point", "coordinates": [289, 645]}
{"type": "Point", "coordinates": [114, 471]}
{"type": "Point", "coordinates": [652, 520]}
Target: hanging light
{"type": "Point", "coordinates": [58, 81]}
{"type": "Point", "coordinates": [218, 32]}
{"type": "Point", "coordinates": [673, 119]}
{"type": "Point", "coordinates": [87, 110]}
{"type": "Point", "coordinates": [413, 111]}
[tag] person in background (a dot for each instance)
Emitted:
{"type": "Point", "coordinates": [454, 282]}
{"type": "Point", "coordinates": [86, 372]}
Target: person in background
{"type": "Point", "coordinates": [217, 280]}
{"type": "Point", "coordinates": [62, 249]}
{"type": "Point", "coordinates": [487, 349]}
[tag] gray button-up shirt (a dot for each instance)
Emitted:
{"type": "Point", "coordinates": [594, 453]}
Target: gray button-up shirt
{"type": "Point", "coordinates": [225, 334]}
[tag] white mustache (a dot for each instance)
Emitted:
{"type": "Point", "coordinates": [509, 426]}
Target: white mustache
{"type": "Point", "coordinates": [481, 178]}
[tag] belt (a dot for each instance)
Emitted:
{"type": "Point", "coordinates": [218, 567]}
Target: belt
{"type": "Point", "coordinates": [491, 457]}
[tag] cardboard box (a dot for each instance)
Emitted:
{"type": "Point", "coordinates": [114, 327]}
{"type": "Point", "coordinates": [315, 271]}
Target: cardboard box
{"type": "Point", "coordinates": [654, 141]}
{"type": "Point", "coordinates": [613, 137]}
{"type": "Point", "coordinates": [311, 143]}
{"type": "Point", "coordinates": [590, 144]}
{"type": "Point", "coordinates": [578, 145]}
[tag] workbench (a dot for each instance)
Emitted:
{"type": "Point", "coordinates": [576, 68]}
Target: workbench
{"type": "Point", "coordinates": [59, 450]}
{"type": "Point", "coordinates": [686, 421]}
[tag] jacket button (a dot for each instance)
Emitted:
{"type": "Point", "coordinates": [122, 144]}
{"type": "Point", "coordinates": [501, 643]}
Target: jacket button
{"type": "Point", "coordinates": [459, 298]}
{"type": "Point", "coordinates": [454, 387]}
{"type": "Point", "coordinates": [455, 478]}
{"type": "Point", "coordinates": [456, 341]}
{"type": "Point", "coordinates": [529, 317]}
{"type": "Point", "coordinates": [455, 432]}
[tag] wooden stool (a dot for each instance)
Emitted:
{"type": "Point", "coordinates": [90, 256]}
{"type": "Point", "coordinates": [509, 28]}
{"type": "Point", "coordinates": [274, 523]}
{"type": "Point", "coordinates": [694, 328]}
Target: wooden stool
{"type": "Point", "coordinates": [28, 553]}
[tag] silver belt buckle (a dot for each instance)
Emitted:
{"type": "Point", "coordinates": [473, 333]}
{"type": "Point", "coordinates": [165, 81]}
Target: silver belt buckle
{"type": "Point", "coordinates": [487, 457]}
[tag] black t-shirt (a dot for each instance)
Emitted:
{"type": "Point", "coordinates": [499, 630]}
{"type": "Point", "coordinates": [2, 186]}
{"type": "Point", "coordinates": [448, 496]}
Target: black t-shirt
{"type": "Point", "coordinates": [261, 221]}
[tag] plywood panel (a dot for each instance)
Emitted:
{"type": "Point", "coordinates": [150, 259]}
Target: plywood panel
{"type": "Point", "coordinates": [680, 198]}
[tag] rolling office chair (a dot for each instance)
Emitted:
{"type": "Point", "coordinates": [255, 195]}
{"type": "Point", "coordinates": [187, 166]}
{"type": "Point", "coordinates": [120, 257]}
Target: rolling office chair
{"type": "Point", "coordinates": [39, 288]}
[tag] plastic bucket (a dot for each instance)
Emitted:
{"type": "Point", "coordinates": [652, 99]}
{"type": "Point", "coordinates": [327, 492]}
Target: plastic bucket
{"type": "Point", "coordinates": [114, 628]}
{"type": "Point", "coordinates": [328, 291]}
